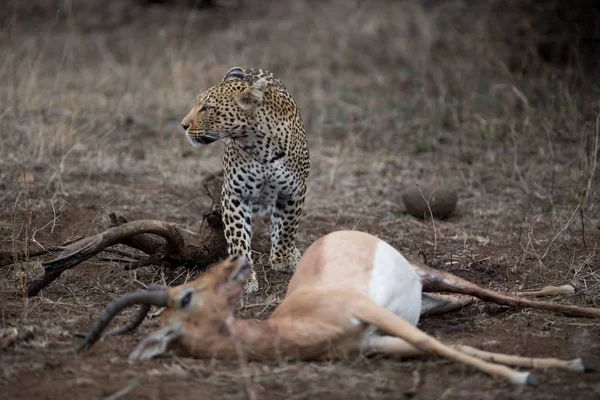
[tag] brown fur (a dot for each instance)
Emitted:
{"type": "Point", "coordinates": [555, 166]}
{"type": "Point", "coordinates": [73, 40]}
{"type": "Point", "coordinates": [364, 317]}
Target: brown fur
{"type": "Point", "coordinates": [325, 262]}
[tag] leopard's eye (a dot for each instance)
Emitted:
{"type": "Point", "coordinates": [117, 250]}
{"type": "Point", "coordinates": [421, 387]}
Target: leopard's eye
{"type": "Point", "coordinates": [206, 107]}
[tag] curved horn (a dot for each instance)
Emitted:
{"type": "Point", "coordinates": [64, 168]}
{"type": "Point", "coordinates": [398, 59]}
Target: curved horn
{"type": "Point", "coordinates": [152, 297]}
{"type": "Point", "coordinates": [139, 316]}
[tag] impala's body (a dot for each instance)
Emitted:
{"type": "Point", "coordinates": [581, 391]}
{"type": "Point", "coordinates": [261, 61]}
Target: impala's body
{"type": "Point", "coordinates": [309, 323]}
{"type": "Point", "coordinates": [346, 285]}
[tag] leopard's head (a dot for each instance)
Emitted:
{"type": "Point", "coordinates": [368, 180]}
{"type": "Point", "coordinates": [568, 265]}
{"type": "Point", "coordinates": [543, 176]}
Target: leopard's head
{"type": "Point", "coordinates": [225, 110]}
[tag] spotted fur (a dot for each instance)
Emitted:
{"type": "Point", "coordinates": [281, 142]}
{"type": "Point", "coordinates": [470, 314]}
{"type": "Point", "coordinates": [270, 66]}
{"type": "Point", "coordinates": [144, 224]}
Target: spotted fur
{"type": "Point", "coordinates": [266, 160]}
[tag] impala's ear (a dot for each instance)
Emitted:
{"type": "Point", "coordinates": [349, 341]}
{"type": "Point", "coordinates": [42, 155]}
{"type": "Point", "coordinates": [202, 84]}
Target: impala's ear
{"type": "Point", "coordinates": [234, 73]}
{"type": "Point", "coordinates": [157, 343]}
{"type": "Point", "coordinates": [251, 97]}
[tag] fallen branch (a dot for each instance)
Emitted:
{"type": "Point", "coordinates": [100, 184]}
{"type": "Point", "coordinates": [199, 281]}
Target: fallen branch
{"type": "Point", "coordinates": [164, 243]}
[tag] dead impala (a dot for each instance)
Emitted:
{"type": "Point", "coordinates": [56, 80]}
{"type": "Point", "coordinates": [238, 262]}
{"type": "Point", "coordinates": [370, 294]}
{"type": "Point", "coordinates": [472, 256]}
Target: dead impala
{"type": "Point", "coordinates": [350, 293]}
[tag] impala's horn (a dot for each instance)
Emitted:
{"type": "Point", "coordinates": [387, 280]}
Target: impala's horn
{"type": "Point", "coordinates": [155, 295]}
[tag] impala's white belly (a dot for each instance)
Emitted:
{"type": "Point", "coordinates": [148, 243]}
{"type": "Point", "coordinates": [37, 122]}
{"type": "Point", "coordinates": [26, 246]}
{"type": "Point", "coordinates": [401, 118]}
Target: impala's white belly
{"type": "Point", "coordinates": [394, 283]}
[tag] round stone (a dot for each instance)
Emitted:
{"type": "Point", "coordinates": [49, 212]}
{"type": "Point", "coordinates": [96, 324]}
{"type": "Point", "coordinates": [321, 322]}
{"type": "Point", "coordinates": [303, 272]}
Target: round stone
{"type": "Point", "coordinates": [442, 201]}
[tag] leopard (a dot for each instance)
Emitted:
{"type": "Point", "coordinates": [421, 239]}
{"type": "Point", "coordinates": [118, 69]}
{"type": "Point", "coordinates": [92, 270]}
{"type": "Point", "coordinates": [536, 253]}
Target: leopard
{"type": "Point", "coordinates": [266, 160]}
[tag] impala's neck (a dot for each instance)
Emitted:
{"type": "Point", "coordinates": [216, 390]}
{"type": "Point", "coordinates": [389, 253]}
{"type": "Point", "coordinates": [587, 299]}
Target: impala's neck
{"type": "Point", "coordinates": [255, 340]}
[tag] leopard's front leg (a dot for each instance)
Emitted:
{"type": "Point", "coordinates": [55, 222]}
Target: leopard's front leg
{"type": "Point", "coordinates": [237, 218]}
{"type": "Point", "coordinates": [284, 227]}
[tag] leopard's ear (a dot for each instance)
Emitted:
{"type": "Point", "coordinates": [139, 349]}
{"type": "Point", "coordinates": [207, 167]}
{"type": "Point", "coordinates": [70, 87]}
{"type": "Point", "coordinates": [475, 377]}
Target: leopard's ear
{"type": "Point", "coordinates": [251, 97]}
{"type": "Point", "coordinates": [234, 73]}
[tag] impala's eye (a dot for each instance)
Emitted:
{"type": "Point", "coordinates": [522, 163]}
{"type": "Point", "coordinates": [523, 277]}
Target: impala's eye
{"type": "Point", "coordinates": [185, 300]}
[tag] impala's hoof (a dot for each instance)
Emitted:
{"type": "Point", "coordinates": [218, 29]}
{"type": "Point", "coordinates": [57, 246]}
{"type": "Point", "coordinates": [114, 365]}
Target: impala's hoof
{"type": "Point", "coordinates": [523, 378]}
{"type": "Point", "coordinates": [589, 365]}
{"type": "Point", "coordinates": [531, 379]}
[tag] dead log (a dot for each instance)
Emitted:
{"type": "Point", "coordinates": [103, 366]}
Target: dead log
{"type": "Point", "coordinates": [164, 243]}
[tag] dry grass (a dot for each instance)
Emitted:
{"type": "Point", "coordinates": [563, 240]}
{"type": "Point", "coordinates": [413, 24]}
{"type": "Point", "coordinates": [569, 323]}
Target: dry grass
{"type": "Point", "coordinates": [391, 93]}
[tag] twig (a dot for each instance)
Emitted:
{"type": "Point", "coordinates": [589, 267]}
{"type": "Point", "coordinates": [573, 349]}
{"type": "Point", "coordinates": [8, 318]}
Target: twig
{"type": "Point", "coordinates": [152, 259]}
{"type": "Point", "coordinates": [564, 228]}
{"type": "Point", "coordinates": [431, 215]}
{"type": "Point", "coordinates": [99, 212]}
{"type": "Point", "coordinates": [41, 252]}
{"type": "Point", "coordinates": [582, 227]}
{"type": "Point", "coordinates": [123, 392]}
{"type": "Point", "coordinates": [421, 251]}
{"type": "Point", "coordinates": [595, 150]}
{"type": "Point", "coordinates": [269, 303]}
{"type": "Point", "coordinates": [124, 253]}
{"type": "Point", "coordinates": [116, 259]}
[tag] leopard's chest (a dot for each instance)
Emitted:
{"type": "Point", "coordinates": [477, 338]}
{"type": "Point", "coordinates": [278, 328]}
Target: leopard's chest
{"type": "Point", "coordinates": [259, 183]}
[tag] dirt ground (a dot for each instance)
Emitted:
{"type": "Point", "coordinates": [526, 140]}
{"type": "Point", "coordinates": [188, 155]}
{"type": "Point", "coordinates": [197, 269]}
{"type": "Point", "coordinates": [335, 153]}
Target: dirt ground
{"type": "Point", "coordinates": [391, 93]}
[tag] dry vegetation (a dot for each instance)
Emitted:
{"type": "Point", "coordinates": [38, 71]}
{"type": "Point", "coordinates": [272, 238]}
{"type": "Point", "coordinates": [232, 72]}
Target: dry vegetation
{"type": "Point", "coordinates": [391, 93]}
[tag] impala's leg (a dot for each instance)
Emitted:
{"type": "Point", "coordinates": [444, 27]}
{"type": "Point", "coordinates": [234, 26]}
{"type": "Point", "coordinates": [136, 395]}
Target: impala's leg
{"type": "Point", "coordinates": [434, 303]}
{"type": "Point", "coordinates": [395, 346]}
{"type": "Point", "coordinates": [365, 310]}
{"type": "Point", "coordinates": [376, 344]}
{"type": "Point", "coordinates": [578, 364]}
{"type": "Point", "coordinates": [548, 291]}
{"type": "Point", "coordinates": [438, 281]}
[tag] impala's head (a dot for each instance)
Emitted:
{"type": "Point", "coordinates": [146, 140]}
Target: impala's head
{"type": "Point", "coordinates": [204, 305]}
{"type": "Point", "coordinates": [214, 295]}
{"type": "Point", "coordinates": [224, 110]}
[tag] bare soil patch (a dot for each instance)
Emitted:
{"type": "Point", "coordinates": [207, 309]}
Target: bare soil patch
{"type": "Point", "coordinates": [391, 93]}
